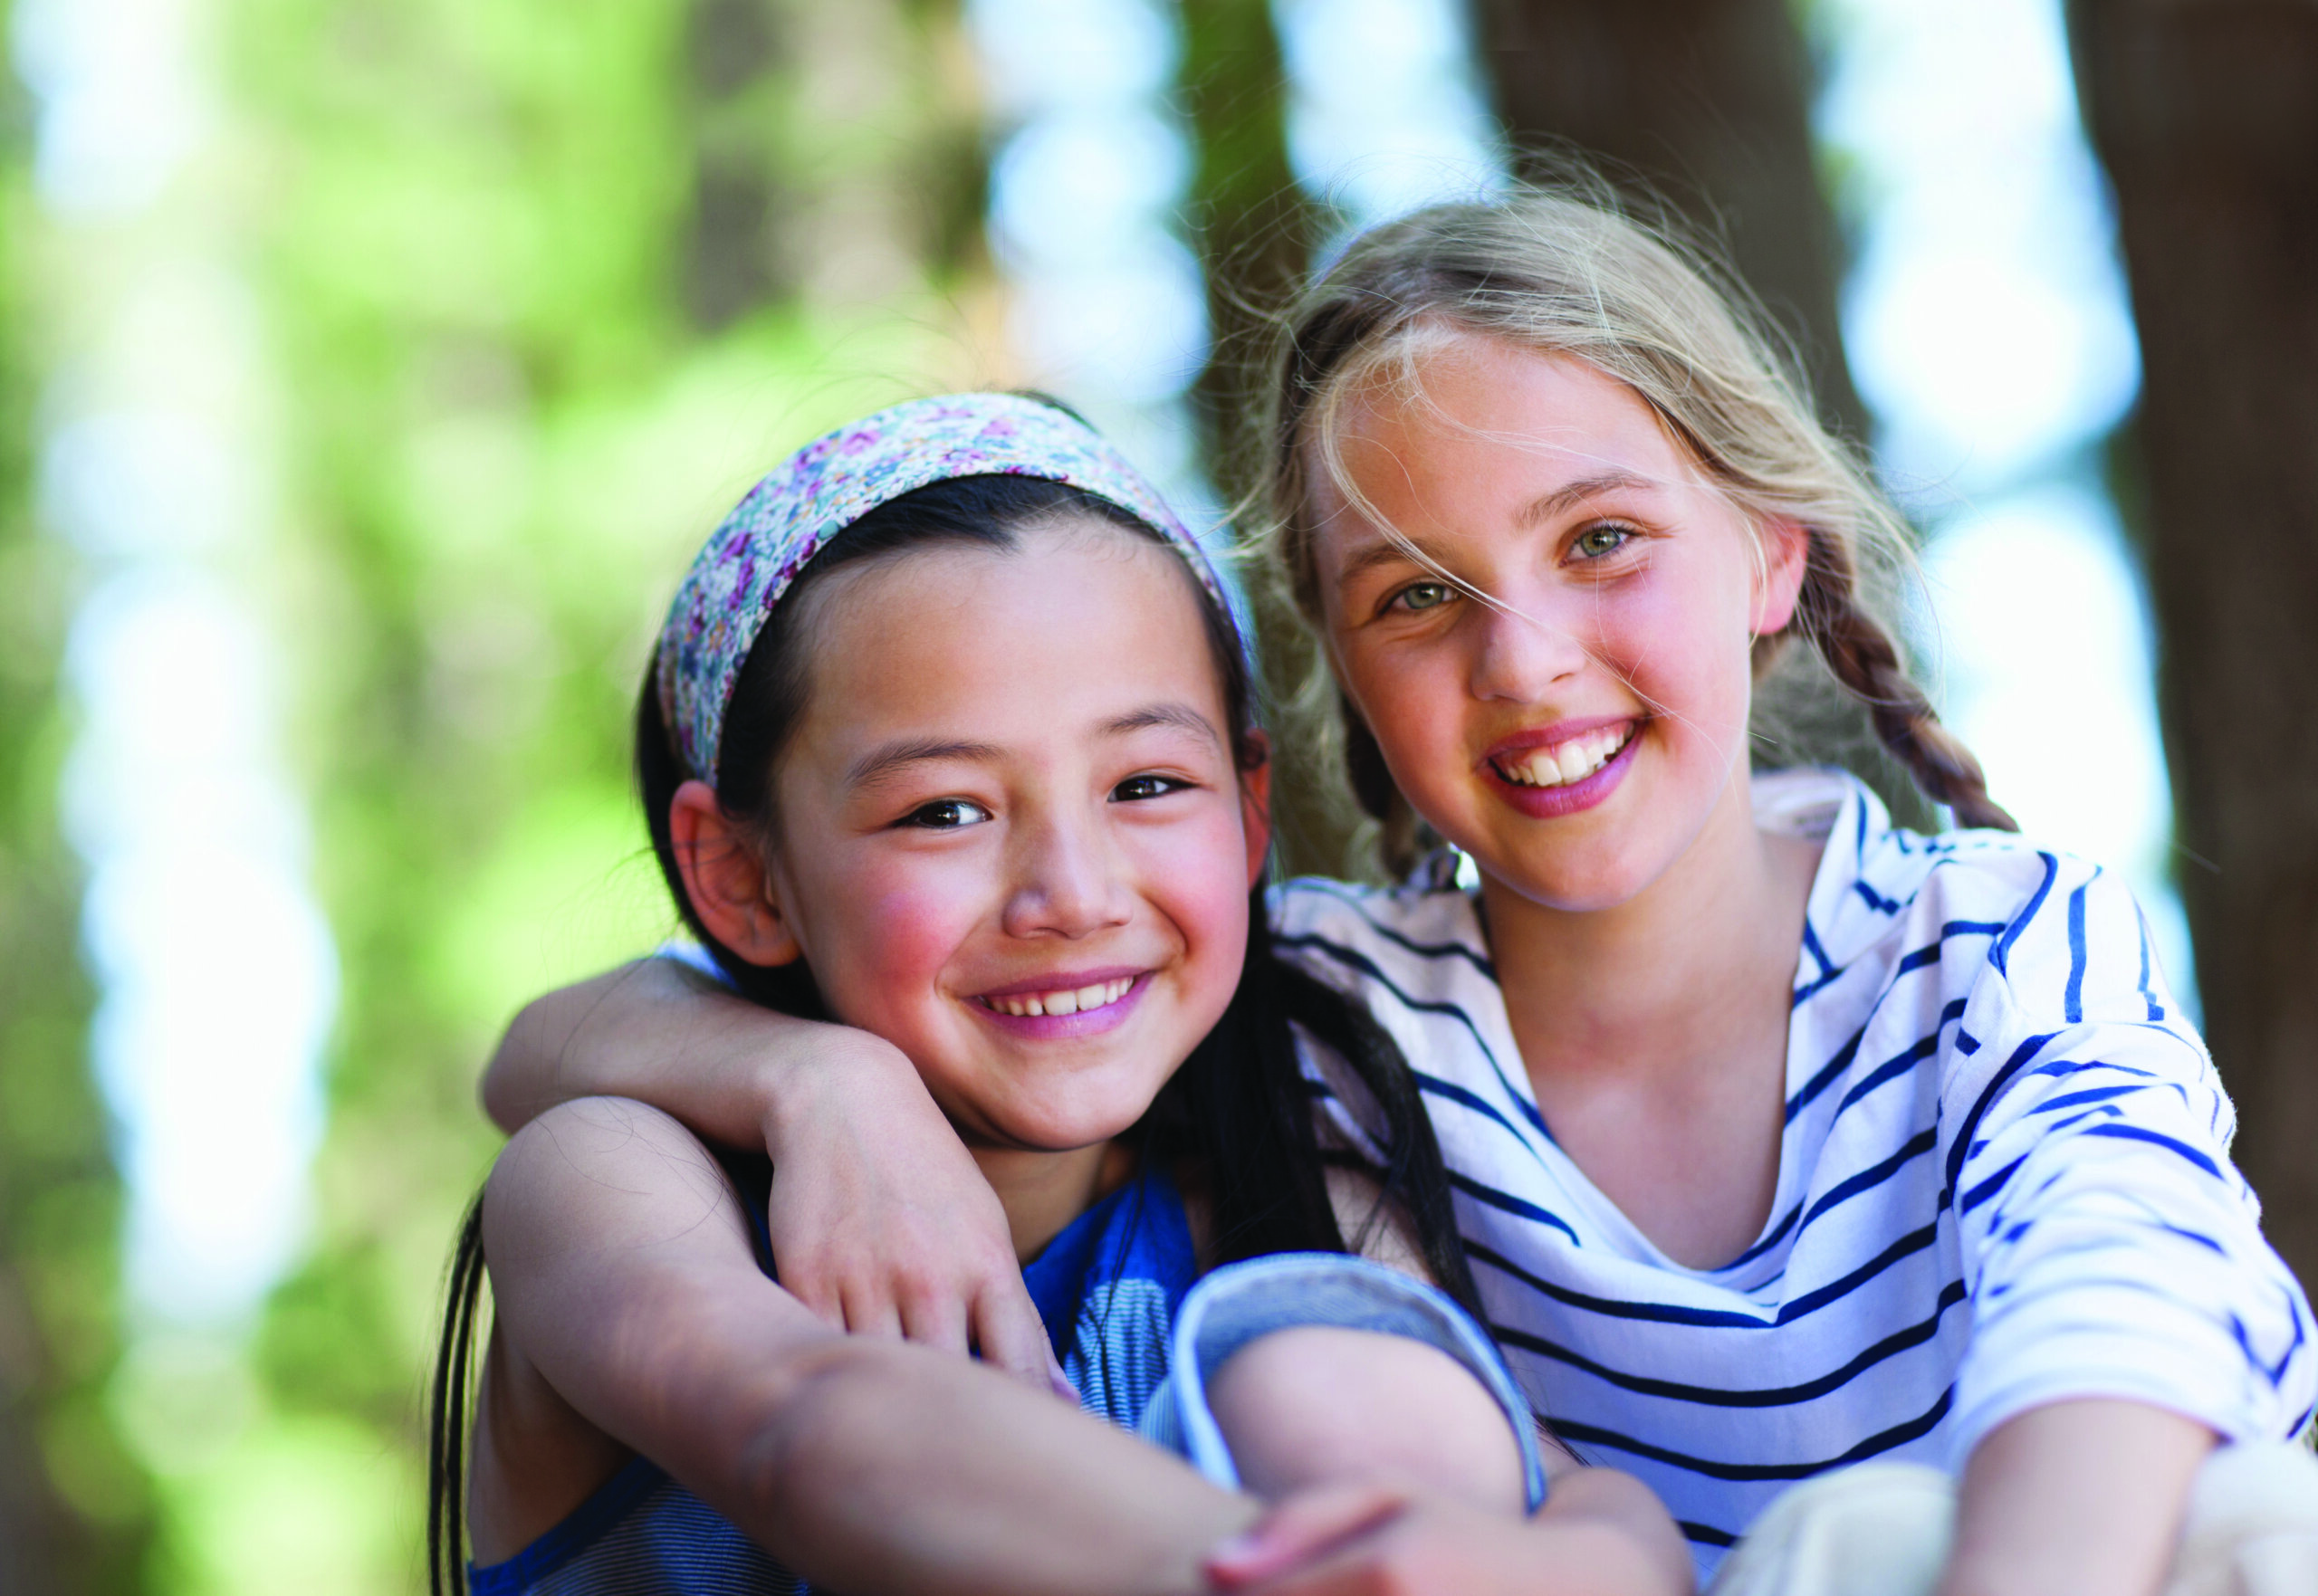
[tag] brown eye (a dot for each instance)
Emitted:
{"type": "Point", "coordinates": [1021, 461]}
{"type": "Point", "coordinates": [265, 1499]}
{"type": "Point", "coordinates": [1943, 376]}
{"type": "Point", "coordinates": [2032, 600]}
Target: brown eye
{"type": "Point", "coordinates": [1137, 788]}
{"type": "Point", "coordinates": [945, 815]}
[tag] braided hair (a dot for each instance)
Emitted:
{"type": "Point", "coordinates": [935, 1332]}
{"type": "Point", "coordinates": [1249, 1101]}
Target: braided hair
{"type": "Point", "coordinates": [1571, 271]}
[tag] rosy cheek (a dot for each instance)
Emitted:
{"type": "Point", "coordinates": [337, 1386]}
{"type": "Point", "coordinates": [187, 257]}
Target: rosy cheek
{"type": "Point", "coordinates": [899, 927]}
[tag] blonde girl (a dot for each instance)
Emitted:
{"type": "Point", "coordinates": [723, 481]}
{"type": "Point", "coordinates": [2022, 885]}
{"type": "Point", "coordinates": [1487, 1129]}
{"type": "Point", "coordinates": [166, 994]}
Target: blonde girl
{"type": "Point", "coordinates": [1789, 1144]}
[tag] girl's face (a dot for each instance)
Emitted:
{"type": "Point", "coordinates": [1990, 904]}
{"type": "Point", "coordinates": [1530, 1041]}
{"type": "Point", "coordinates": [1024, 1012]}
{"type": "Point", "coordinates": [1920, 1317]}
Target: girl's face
{"type": "Point", "coordinates": [1012, 839]}
{"type": "Point", "coordinates": [1571, 708]}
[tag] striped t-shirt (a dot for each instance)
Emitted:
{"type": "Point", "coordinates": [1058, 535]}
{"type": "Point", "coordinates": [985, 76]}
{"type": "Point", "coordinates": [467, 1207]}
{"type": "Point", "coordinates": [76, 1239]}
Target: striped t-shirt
{"type": "Point", "coordinates": [1108, 1288]}
{"type": "Point", "coordinates": [2003, 1178]}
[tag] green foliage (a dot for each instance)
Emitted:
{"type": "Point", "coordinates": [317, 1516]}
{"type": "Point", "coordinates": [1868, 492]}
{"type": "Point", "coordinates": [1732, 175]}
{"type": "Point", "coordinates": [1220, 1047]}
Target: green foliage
{"type": "Point", "coordinates": [74, 1507]}
{"type": "Point", "coordinates": [547, 285]}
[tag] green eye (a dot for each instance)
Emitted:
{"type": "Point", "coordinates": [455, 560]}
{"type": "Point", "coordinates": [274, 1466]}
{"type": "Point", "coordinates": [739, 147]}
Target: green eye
{"type": "Point", "coordinates": [945, 815]}
{"type": "Point", "coordinates": [1424, 596]}
{"type": "Point", "coordinates": [1594, 542]}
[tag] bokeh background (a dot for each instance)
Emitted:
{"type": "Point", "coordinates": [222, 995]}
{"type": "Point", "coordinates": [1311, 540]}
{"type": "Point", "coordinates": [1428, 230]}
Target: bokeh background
{"type": "Point", "coordinates": [369, 369]}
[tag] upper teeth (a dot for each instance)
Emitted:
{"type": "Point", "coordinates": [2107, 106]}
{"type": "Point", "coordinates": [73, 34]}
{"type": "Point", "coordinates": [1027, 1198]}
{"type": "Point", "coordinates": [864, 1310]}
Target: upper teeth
{"type": "Point", "coordinates": [1067, 1002]}
{"type": "Point", "coordinates": [1565, 762]}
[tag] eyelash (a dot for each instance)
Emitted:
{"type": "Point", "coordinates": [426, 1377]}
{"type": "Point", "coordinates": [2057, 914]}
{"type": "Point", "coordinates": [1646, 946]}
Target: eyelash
{"type": "Point", "coordinates": [1625, 535]}
{"type": "Point", "coordinates": [922, 818]}
{"type": "Point", "coordinates": [1449, 590]}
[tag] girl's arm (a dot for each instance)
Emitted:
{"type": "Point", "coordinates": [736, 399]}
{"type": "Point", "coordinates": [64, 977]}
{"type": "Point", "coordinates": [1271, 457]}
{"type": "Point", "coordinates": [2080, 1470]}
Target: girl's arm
{"type": "Point", "coordinates": [2126, 1310]}
{"type": "Point", "coordinates": [1603, 1533]}
{"type": "Point", "coordinates": [622, 1272]}
{"type": "Point", "coordinates": [2080, 1496]}
{"type": "Point", "coordinates": [881, 1222]}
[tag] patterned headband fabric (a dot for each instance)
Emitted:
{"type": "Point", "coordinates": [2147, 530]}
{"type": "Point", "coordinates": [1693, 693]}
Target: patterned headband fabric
{"type": "Point", "coordinates": [831, 483]}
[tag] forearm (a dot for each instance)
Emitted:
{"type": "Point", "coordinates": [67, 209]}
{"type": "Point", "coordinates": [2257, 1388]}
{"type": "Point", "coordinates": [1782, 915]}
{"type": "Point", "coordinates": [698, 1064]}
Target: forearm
{"type": "Point", "coordinates": [892, 1470]}
{"type": "Point", "coordinates": [661, 1034]}
{"type": "Point", "coordinates": [2078, 1496]}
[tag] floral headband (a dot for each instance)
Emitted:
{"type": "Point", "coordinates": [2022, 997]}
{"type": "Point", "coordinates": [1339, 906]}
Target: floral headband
{"type": "Point", "coordinates": [789, 516]}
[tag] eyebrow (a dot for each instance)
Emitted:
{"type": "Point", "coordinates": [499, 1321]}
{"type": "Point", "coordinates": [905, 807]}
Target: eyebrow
{"type": "Point", "coordinates": [1583, 488]}
{"type": "Point", "coordinates": [882, 763]}
{"type": "Point", "coordinates": [1385, 551]}
{"type": "Point", "coordinates": [1182, 717]}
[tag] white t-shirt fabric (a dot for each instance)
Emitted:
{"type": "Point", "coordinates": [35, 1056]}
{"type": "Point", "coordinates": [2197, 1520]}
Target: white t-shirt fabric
{"type": "Point", "coordinates": [2003, 1178]}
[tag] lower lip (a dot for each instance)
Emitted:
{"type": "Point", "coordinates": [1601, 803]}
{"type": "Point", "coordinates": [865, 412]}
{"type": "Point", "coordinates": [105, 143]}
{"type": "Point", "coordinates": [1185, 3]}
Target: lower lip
{"type": "Point", "coordinates": [1058, 1028]}
{"type": "Point", "coordinates": [1543, 803]}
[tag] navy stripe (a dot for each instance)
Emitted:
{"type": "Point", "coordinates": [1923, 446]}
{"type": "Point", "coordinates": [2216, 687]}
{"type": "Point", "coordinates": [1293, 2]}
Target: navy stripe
{"type": "Point", "coordinates": [1357, 901]}
{"type": "Point", "coordinates": [1704, 1534]}
{"type": "Point", "coordinates": [1433, 1085]}
{"type": "Point", "coordinates": [1828, 1072]}
{"type": "Point", "coordinates": [1962, 1147]}
{"type": "Point", "coordinates": [1613, 1307]}
{"type": "Point", "coordinates": [2072, 996]}
{"type": "Point", "coordinates": [2003, 949]}
{"type": "Point", "coordinates": [1904, 1062]}
{"type": "Point", "coordinates": [1989, 1187]}
{"type": "Point", "coordinates": [1362, 964]}
{"type": "Point", "coordinates": [2147, 992]}
{"type": "Point", "coordinates": [1511, 1204]}
{"type": "Point", "coordinates": [2155, 1139]}
{"type": "Point", "coordinates": [1827, 970]}
{"type": "Point", "coordinates": [1844, 1190]}
{"type": "Point", "coordinates": [1899, 1435]}
{"type": "Point", "coordinates": [1898, 1341]}
{"type": "Point", "coordinates": [1874, 1175]}
{"type": "Point", "coordinates": [2090, 1095]}
{"type": "Point", "coordinates": [1809, 1303]}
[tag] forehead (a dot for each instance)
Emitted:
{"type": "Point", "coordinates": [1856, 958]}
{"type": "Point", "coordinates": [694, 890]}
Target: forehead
{"type": "Point", "coordinates": [1078, 622]}
{"type": "Point", "coordinates": [1484, 427]}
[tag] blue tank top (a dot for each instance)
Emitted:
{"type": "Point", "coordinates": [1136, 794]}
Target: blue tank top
{"type": "Point", "coordinates": [1108, 1288]}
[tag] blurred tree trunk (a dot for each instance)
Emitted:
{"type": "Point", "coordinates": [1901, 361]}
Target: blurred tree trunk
{"type": "Point", "coordinates": [1255, 233]}
{"type": "Point", "coordinates": [2207, 115]}
{"type": "Point", "coordinates": [1708, 101]}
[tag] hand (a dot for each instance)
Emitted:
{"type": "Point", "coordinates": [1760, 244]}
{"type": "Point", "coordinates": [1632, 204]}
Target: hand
{"type": "Point", "coordinates": [1390, 1540]}
{"type": "Point", "coordinates": [881, 1222]}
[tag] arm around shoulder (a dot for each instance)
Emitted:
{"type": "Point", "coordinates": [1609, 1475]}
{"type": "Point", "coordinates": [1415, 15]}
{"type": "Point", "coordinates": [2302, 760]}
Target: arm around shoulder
{"type": "Point", "coordinates": [623, 1272]}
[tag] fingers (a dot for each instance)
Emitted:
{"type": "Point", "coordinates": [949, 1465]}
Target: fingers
{"type": "Point", "coordinates": [1300, 1531]}
{"type": "Point", "coordinates": [933, 1318]}
{"type": "Point", "coordinates": [1011, 1334]}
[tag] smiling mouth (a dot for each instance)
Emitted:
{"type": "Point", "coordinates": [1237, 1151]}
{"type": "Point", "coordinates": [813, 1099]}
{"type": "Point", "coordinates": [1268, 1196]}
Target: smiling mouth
{"type": "Point", "coordinates": [1565, 762]}
{"type": "Point", "coordinates": [1064, 1000]}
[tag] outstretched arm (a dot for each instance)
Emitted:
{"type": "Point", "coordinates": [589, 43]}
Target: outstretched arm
{"type": "Point", "coordinates": [622, 1274]}
{"type": "Point", "coordinates": [882, 1222]}
{"type": "Point", "coordinates": [2078, 1496]}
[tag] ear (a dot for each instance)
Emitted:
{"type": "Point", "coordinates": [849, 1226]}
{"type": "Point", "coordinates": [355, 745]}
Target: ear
{"type": "Point", "coordinates": [1786, 559]}
{"type": "Point", "coordinates": [1255, 808]}
{"type": "Point", "coordinates": [724, 877]}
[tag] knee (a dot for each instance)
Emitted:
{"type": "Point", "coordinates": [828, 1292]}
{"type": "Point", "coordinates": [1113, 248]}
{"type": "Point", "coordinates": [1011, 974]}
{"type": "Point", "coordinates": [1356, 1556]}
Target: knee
{"type": "Point", "coordinates": [1318, 1405]}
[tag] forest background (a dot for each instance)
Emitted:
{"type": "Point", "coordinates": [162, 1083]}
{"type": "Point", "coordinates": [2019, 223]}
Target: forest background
{"type": "Point", "coordinates": [368, 372]}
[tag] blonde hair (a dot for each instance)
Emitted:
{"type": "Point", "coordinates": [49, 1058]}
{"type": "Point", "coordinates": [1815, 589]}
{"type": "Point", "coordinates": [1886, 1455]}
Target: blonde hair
{"type": "Point", "coordinates": [1568, 271]}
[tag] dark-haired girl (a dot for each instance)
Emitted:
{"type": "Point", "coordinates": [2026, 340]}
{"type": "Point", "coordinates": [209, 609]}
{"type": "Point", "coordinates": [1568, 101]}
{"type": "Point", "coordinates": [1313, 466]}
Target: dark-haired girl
{"type": "Point", "coordinates": [947, 738]}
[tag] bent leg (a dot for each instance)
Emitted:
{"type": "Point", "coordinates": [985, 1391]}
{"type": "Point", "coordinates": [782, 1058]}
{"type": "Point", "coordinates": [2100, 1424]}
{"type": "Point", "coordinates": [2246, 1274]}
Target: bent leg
{"type": "Point", "coordinates": [1318, 1405]}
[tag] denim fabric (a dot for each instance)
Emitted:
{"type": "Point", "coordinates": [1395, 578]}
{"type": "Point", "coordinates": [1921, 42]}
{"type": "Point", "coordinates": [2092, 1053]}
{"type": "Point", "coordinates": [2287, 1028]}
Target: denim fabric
{"type": "Point", "coordinates": [1241, 1302]}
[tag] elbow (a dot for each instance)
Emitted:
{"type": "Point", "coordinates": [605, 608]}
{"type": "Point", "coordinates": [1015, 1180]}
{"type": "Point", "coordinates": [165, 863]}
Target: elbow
{"type": "Point", "coordinates": [503, 1091]}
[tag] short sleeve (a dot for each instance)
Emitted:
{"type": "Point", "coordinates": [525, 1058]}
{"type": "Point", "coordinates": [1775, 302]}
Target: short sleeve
{"type": "Point", "coordinates": [2109, 1247]}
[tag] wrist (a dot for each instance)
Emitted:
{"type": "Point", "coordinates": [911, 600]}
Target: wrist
{"type": "Point", "coordinates": [844, 1077]}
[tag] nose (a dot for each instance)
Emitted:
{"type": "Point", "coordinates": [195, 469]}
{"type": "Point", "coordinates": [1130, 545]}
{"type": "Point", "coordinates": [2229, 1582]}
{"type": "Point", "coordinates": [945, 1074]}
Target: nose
{"type": "Point", "coordinates": [1067, 882]}
{"type": "Point", "coordinates": [1521, 654]}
